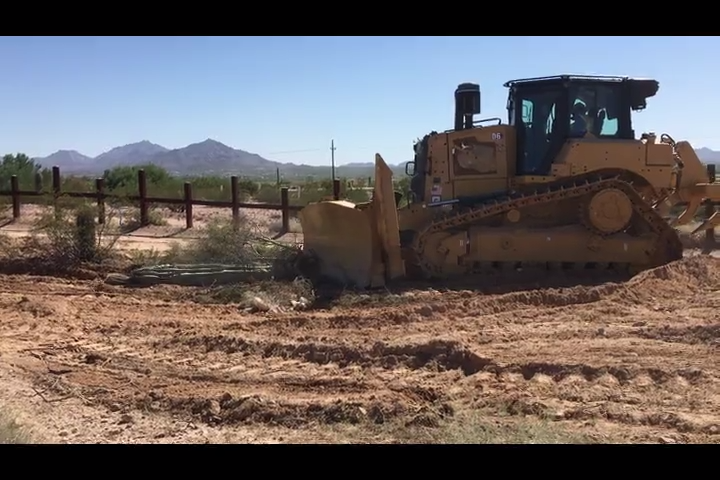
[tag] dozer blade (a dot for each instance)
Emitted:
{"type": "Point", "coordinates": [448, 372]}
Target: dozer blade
{"type": "Point", "coordinates": [359, 247]}
{"type": "Point", "coordinates": [341, 238]}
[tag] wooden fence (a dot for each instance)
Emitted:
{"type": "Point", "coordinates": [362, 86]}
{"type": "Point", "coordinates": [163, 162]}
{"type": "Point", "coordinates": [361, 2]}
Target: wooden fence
{"type": "Point", "coordinates": [187, 201]}
{"type": "Point", "coordinates": [145, 201]}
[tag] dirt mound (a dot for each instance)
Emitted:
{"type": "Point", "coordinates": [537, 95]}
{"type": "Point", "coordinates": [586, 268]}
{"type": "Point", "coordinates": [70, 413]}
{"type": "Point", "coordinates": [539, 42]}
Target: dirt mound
{"type": "Point", "coordinates": [257, 409]}
{"type": "Point", "coordinates": [691, 274]}
{"type": "Point", "coordinates": [435, 354]}
{"type": "Point", "coordinates": [553, 297]}
{"type": "Point", "coordinates": [678, 278]}
{"type": "Point", "coordinates": [699, 270]}
{"type": "Point", "coordinates": [473, 304]}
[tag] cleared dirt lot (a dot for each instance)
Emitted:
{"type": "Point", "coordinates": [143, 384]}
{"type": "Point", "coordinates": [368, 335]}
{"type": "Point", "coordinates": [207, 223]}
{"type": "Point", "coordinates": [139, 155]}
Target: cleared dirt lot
{"type": "Point", "coordinates": [634, 362]}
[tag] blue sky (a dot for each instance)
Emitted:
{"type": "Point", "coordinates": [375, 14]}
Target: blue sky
{"type": "Point", "coordinates": [287, 97]}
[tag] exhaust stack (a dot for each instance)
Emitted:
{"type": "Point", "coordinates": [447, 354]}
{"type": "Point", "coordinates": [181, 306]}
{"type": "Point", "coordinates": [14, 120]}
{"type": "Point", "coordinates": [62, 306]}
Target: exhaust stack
{"type": "Point", "coordinates": [467, 104]}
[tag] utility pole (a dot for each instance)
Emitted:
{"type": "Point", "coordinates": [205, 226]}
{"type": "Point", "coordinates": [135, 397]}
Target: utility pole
{"type": "Point", "coordinates": [332, 157]}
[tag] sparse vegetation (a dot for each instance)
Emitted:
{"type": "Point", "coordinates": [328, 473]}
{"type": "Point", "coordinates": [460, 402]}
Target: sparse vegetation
{"type": "Point", "coordinates": [467, 427]}
{"type": "Point", "coordinates": [71, 237]}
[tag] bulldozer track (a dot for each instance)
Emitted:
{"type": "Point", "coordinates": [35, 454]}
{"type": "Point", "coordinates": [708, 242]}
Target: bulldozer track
{"type": "Point", "coordinates": [666, 248]}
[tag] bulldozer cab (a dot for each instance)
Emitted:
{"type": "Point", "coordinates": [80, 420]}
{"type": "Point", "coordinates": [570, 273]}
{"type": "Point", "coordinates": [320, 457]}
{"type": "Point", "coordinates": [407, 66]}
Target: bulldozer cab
{"type": "Point", "coordinates": [548, 111]}
{"type": "Point", "coordinates": [545, 114]}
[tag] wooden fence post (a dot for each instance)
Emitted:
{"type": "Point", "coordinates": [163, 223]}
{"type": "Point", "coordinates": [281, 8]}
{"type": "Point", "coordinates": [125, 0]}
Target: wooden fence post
{"type": "Point", "coordinates": [188, 205]}
{"type": "Point", "coordinates": [14, 189]}
{"type": "Point", "coordinates": [38, 182]}
{"type": "Point", "coordinates": [56, 188]}
{"type": "Point", "coordinates": [142, 193]}
{"type": "Point", "coordinates": [285, 204]}
{"type": "Point", "coordinates": [235, 201]}
{"type": "Point", "coordinates": [100, 190]}
{"type": "Point", "coordinates": [336, 189]}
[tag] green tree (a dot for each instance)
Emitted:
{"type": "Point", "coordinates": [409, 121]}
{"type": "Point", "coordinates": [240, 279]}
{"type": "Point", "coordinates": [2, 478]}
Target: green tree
{"type": "Point", "coordinates": [123, 178]}
{"type": "Point", "coordinates": [21, 165]}
{"type": "Point", "coordinates": [248, 186]}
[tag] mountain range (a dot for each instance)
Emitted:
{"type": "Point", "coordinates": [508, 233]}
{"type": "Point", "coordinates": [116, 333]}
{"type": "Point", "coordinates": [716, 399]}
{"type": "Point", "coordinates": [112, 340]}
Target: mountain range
{"type": "Point", "coordinates": [211, 157]}
{"type": "Point", "coordinates": [708, 156]}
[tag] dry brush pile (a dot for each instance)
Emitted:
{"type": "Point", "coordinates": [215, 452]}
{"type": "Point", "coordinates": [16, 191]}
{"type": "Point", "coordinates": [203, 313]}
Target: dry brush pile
{"type": "Point", "coordinates": [69, 242]}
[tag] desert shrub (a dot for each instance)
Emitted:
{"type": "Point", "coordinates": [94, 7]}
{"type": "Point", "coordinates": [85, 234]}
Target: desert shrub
{"type": "Point", "coordinates": [268, 194]}
{"type": "Point", "coordinates": [72, 237]}
{"type": "Point", "coordinates": [125, 178]}
{"type": "Point", "coordinates": [219, 242]}
{"type": "Point", "coordinates": [131, 223]}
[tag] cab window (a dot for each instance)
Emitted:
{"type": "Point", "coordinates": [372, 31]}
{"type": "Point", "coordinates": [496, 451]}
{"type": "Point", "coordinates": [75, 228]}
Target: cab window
{"type": "Point", "coordinates": [594, 109]}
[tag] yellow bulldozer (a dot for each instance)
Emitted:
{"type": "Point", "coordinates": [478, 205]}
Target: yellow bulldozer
{"type": "Point", "coordinates": [564, 183]}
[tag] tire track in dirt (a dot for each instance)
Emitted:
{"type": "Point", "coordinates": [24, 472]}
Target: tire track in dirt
{"type": "Point", "coordinates": [262, 392]}
{"type": "Point", "coordinates": [616, 412]}
{"type": "Point", "coordinates": [435, 356]}
{"type": "Point", "coordinates": [691, 335]}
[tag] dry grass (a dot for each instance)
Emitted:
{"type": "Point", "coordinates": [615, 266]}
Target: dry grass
{"type": "Point", "coordinates": [275, 225]}
{"type": "Point", "coordinates": [132, 223]}
{"type": "Point", "coordinates": [265, 295]}
{"type": "Point", "coordinates": [220, 243]}
{"type": "Point", "coordinates": [472, 428]}
{"type": "Point", "coordinates": [11, 432]}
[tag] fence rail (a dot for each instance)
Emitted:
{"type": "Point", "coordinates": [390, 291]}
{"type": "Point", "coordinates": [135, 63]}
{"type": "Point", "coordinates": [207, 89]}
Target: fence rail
{"type": "Point", "coordinates": [145, 201]}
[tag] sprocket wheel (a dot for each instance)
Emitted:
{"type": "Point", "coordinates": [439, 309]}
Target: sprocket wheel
{"type": "Point", "coordinates": [609, 211]}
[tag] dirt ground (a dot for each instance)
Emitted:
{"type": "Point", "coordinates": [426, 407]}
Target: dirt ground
{"type": "Point", "coordinates": [634, 362]}
{"type": "Point", "coordinates": [86, 362]}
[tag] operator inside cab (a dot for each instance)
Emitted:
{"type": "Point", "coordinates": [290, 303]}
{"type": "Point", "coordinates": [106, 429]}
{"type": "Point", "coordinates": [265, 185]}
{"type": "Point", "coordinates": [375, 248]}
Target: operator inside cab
{"type": "Point", "coordinates": [578, 120]}
{"type": "Point", "coordinates": [589, 111]}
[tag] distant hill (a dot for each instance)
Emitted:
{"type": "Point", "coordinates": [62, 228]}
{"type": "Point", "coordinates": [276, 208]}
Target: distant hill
{"type": "Point", "coordinates": [131, 154]}
{"type": "Point", "coordinates": [708, 156]}
{"type": "Point", "coordinates": [71, 161]}
{"type": "Point", "coordinates": [208, 157]}
{"type": "Point", "coordinates": [212, 157]}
